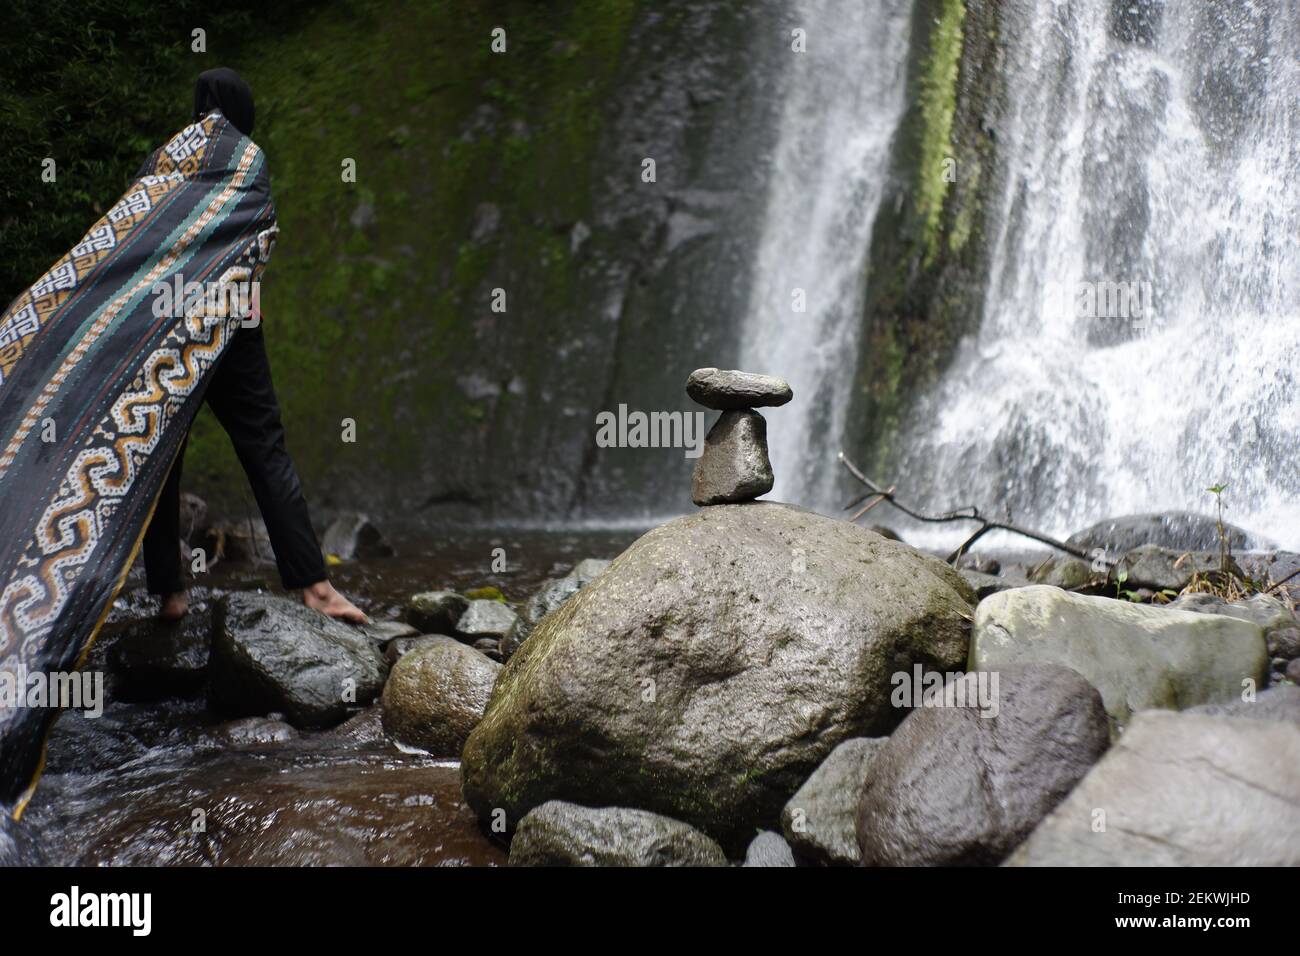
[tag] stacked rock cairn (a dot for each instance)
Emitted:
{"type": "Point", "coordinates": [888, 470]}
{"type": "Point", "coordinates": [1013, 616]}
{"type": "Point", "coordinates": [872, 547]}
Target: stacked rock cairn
{"type": "Point", "coordinates": [734, 466]}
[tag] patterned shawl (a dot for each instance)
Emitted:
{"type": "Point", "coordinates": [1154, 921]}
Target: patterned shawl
{"type": "Point", "coordinates": [101, 374]}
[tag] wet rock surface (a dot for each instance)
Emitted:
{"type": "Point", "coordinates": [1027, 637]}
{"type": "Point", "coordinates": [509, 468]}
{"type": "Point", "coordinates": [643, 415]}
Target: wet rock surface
{"type": "Point", "coordinates": [953, 786]}
{"type": "Point", "coordinates": [436, 695]}
{"type": "Point", "coordinates": [549, 597]}
{"type": "Point", "coordinates": [1182, 790]}
{"type": "Point", "coordinates": [152, 659]}
{"type": "Point", "coordinates": [485, 618]}
{"type": "Point", "coordinates": [273, 654]}
{"type": "Point", "coordinates": [710, 669]}
{"type": "Point", "coordinates": [566, 834]}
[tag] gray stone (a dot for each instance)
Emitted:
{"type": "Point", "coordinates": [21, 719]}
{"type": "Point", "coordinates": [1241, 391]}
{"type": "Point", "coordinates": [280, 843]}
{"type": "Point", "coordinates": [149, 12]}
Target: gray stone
{"type": "Point", "coordinates": [252, 732]}
{"type": "Point", "coordinates": [765, 635]}
{"type": "Point", "coordinates": [1137, 655]}
{"type": "Point", "coordinates": [549, 597]}
{"type": "Point", "coordinates": [1292, 672]}
{"type": "Point", "coordinates": [733, 466]}
{"type": "Point", "coordinates": [732, 390]}
{"type": "Point", "coordinates": [1275, 703]}
{"type": "Point", "coordinates": [19, 845]}
{"type": "Point", "coordinates": [819, 820]}
{"type": "Point", "coordinates": [1182, 790]}
{"type": "Point", "coordinates": [270, 653]}
{"type": "Point", "coordinates": [1167, 569]}
{"type": "Point", "coordinates": [395, 650]}
{"type": "Point", "coordinates": [486, 619]}
{"type": "Point", "coordinates": [954, 786]}
{"type": "Point", "coordinates": [1281, 629]}
{"type": "Point", "coordinates": [769, 849]}
{"type": "Point", "coordinates": [1183, 530]}
{"type": "Point", "coordinates": [384, 632]}
{"type": "Point", "coordinates": [1062, 571]}
{"type": "Point", "coordinates": [566, 834]}
{"type": "Point", "coordinates": [436, 695]}
{"type": "Point", "coordinates": [354, 536]}
{"type": "Point", "coordinates": [436, 612]}
{"type": "Point", "coordinates": [985, 584]}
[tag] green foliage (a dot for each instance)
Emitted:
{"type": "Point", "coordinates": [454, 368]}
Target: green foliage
{"type": "Point", "coordinates": [95, 85]}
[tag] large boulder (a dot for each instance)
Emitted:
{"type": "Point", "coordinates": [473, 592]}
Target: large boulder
{"type": "Point", "coordinates": [819, 820]}
{"type": "Point", "coordinates": [1183, 530]}
{"type": "Point", "coordinates": [436, 695]}
{"type": "Point", "coordinates": [957, 785]}
{"type": "Point", "coordinates": [1181, 790]}
{"type": "Point", "coordinates": [712, 667]}
{"type": "Point", "coordinates": [1137, 655]}
{"type": "Point", "coordinates": [273, 654]}
{"type": "Point", "coordinates": [565, 834]}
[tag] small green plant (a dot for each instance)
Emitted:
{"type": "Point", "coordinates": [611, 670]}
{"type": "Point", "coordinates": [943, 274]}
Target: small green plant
{"type": "Point", "coordinates": [1225, 551]}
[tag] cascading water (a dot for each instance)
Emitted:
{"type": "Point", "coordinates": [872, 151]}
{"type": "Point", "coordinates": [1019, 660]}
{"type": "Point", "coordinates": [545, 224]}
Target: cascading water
{"type": "Point", "coordinates": [843, 99]}
{"type": "Point", "coordinates": [1155, 146]}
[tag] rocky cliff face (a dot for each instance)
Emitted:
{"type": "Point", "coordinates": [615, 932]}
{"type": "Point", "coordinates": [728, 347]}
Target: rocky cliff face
{"type": "Point", "coordinates": [522, 172]}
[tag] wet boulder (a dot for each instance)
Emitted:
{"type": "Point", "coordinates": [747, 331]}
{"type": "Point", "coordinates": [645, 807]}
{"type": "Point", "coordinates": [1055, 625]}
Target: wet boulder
{"type": "Point", "coordinates": [1138, 656]}
{"type": "Point", "coordinates": [436, 695]}
{"type": "Point", "coordinates": [957, 785]}
{"type": "Point", "coordinates": [711, 668]}
{"type": "Point", "coordinates": [566, 834]}
{"type": "Point", "coordinates": [1167, 569]}
{"type": "Point", "coordinates": [273, 654]}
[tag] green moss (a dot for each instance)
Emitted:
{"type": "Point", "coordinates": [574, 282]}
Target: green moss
{"type": "Point", "coordinates": [938, 103]}
{"type": "Point", "coordinates": [378, 295]}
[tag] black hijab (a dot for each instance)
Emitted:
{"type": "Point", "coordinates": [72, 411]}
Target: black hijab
{"type": "Point", "coordinates": [224, 89]}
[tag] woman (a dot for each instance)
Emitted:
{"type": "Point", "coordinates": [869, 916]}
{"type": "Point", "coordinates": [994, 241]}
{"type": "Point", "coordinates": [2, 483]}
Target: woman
{"type": "Point", "coordinates": [242, 397]}
{"type": "Point", "coordinates": [99, 384]}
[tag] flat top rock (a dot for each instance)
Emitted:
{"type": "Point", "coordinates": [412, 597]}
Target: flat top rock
{"type": "Point", "coordinates": [726, 390]}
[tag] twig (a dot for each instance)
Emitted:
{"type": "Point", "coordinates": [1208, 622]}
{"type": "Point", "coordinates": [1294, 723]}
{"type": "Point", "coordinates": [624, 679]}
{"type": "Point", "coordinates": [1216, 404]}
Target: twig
{"type": "Point", "coordinates": [875, 500]}
{"type": "Point", "coordinates": [968, 513]}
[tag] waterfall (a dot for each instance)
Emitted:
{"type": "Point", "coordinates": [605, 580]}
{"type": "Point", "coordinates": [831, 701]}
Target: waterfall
{"type": "Point", "coordinates": [1141, 331]}
{"type": "Point", "coordinates": [842, 101]}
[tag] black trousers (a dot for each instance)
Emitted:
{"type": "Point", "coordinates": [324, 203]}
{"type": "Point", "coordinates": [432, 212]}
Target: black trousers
{"type": "Point", "coordinates": [243, 399]}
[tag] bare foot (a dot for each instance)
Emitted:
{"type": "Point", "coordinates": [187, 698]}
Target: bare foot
{"type": "Point", "coordinates": [174, 606]}
{"type": "Point", "coordinates": [322, 597]}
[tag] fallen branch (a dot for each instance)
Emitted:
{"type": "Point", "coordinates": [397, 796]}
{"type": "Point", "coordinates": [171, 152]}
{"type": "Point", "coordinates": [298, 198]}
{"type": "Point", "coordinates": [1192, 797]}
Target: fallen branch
{"type": "Point", "coordinates": [967, 513]}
